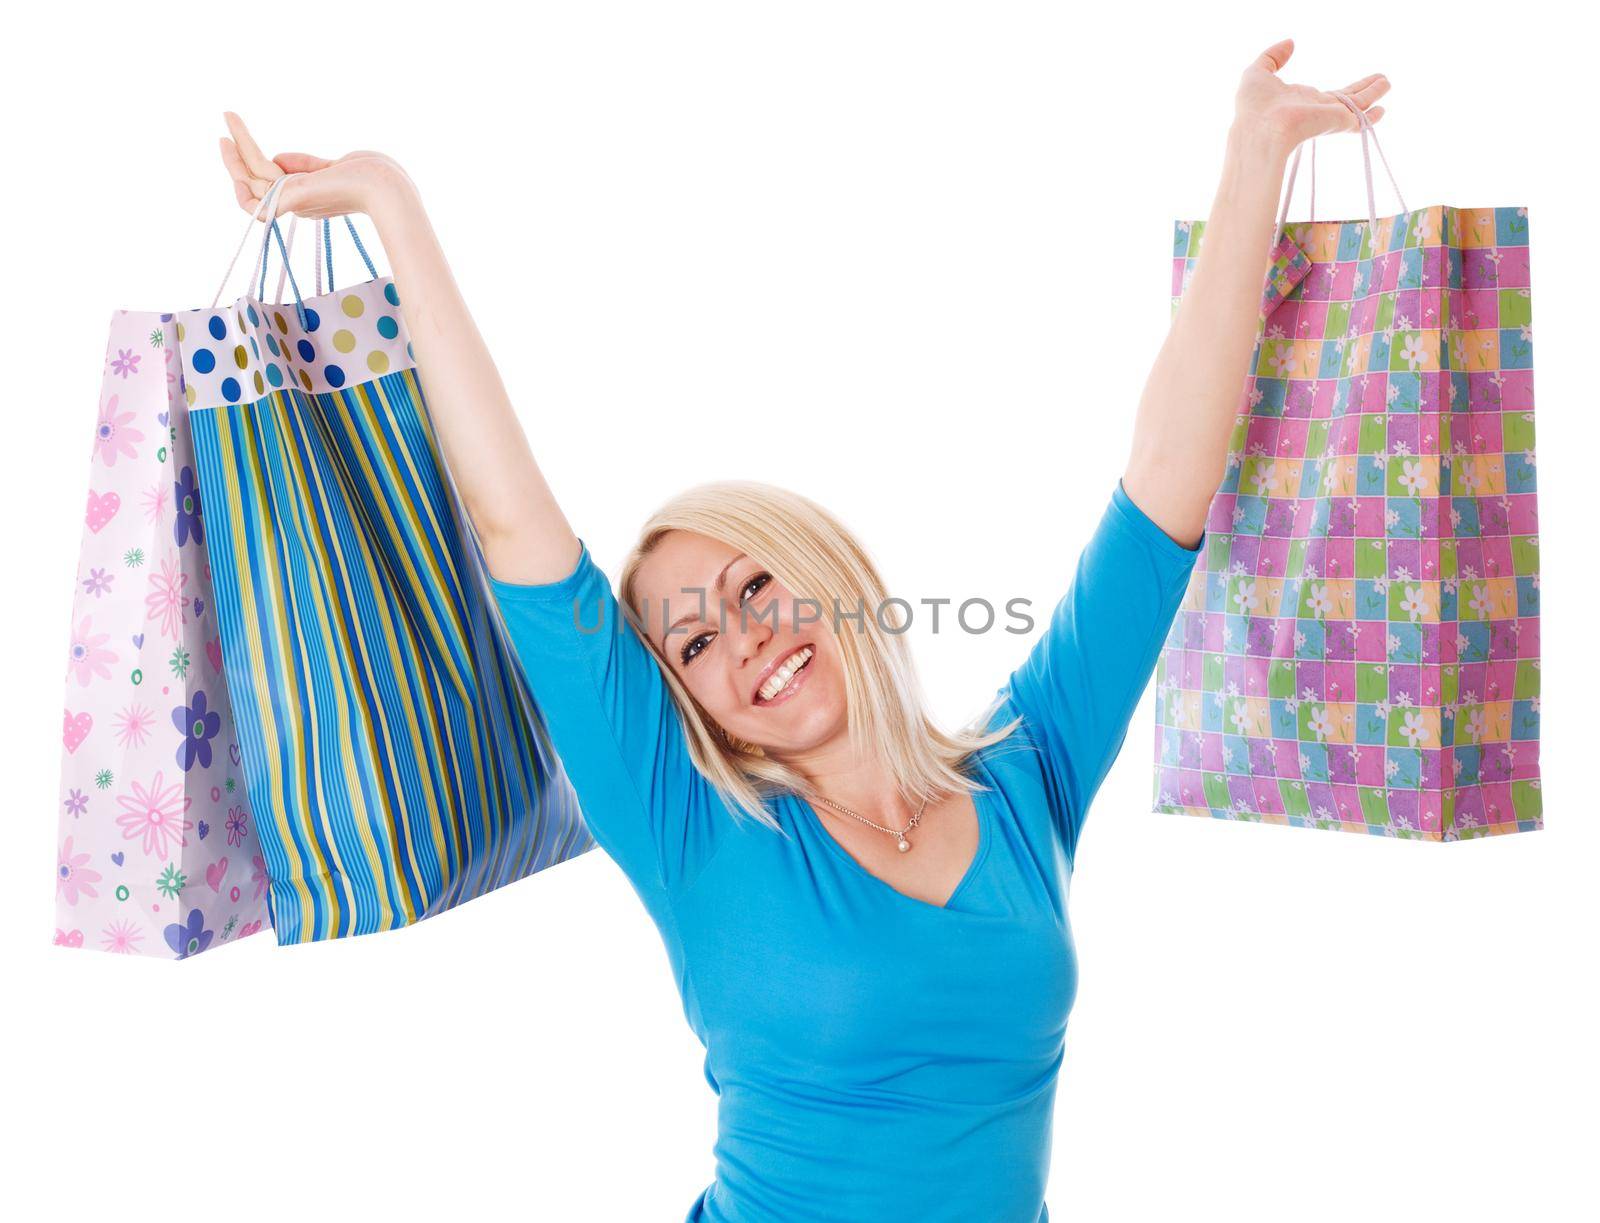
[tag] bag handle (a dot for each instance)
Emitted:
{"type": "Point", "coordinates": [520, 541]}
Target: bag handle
{"type": "Point", "coordinates": [234, 262]}
{"type": "Point", "coordinates": [283, 272]}
{"type": "Point", "coordinates": [327, 244]}
{"type": "Point", "coordinates": [318, 247]}
{"type": "Point", "coordinates": [327, 240]}
{"type": "Point", "coordinates": [269, 204]}
{"type": "Point", "coordinates": [266, 253]}
{"type": "Point", "coordinates": [287, 246]}
{"type": "Point", "coordinates": [1366, 159]}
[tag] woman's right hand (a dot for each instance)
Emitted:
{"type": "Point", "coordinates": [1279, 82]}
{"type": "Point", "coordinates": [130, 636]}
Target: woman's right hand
{"type": "Point", "coordinates": [525, 536]}
{"type": "Point", "coordinates": [356, 182]}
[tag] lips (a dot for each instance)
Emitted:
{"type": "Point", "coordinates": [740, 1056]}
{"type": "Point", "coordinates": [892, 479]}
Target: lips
{"type": "Point", "coordinates": [777, 665]}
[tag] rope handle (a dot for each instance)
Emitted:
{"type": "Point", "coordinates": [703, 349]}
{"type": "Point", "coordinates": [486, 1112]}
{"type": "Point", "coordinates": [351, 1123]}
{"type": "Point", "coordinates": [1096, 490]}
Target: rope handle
{"type": "Point", "coordinates": [1366, 129]}
{"type": "Point", "coordinates": [268, 204]}
{"type": "Point", "coordinates": [269, 200]}
{"type": "Point", "coordinates": [327, 244]}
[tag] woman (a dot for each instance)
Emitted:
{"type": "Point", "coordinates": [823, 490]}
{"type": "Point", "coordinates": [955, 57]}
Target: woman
{"type": "Point", "coordinates": [866, 916]}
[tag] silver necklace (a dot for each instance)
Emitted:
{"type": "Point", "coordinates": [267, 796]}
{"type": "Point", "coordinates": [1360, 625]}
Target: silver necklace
{"type": "Point", "coordinates": [902, 845]}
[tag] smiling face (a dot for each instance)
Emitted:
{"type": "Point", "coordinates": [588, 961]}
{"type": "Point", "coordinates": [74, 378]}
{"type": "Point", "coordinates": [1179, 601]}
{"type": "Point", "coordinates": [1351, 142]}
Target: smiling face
{"type": "Point", "coordinates": [772, 675]}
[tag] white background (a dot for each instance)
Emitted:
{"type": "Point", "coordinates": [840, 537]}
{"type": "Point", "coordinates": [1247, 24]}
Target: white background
{"type": "Point", "coordinates": [912, 261]}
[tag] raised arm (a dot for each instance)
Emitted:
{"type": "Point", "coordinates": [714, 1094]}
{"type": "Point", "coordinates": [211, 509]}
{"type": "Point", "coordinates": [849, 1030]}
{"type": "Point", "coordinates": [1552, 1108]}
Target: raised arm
{"type": "Point", "coordinates": [525, 536]}
{"type": "Point", "coordinates": [1190, 400]}
{"type": "Point", "coordinates": [601, 694]}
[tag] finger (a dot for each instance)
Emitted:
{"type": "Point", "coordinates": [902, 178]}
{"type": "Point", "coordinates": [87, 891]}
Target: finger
{"type": "Point", "coordinates": [234, 163]}
{"type": "Point", "coordinates": [248, 188]}
{"type": "Point", "coordinates": [301, 163]}
{"type": "Point", "coordinates": [1275, 56]}
{"type": "Point", "coordinates": [249, 200]}
{"type": "Point", "coordinates": [1357, 86]}
{"type": "Point", "coordinates": [1348, 116]}
{"type": "Point", "coordinates": [292, 197]}
{"type": "Point", "coordinates": [1368, 90]}
{"type": "Point", "coordinates": [1352, 122]}
{"type": "Point", "coordinates": [259, 165]}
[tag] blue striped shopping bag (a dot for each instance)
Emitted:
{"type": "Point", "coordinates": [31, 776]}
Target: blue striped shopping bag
{"type": "Point", "coordinates": [395, 759]}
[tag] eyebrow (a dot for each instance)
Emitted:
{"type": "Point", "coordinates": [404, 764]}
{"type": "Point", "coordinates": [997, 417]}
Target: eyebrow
{"type": "Point", "coordinates": [717, 585]}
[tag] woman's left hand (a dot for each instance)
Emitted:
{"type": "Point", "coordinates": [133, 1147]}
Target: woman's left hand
{"type": "Point", "coordinates": [1287, 114]}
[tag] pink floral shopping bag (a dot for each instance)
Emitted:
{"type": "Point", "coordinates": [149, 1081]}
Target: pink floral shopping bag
{"type": "Point", "coordinates": [1359, 645]}
{"type": "Point", "coordinates": [157, 853]}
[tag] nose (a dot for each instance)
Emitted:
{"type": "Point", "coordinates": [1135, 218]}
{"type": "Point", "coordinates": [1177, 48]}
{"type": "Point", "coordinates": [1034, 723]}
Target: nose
{"type": "Point", "coordinates": [750, 635]}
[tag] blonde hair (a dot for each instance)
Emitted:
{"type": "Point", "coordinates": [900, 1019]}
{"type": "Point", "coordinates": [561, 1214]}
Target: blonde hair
{"type": "Point", "coordinates": [815, 557]}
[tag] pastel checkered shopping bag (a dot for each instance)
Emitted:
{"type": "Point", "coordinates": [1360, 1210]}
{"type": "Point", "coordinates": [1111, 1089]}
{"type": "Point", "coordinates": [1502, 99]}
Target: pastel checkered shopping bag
{"type": "Point", "coordinates": [395, 760]}
{"type": "Point", "coordinates": [1359, 646]}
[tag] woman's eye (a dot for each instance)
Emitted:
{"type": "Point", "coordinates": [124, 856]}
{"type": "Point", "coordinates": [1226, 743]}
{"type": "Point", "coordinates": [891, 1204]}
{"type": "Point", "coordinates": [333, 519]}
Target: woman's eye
{"type": "Point", "coordinates": [695, 645]}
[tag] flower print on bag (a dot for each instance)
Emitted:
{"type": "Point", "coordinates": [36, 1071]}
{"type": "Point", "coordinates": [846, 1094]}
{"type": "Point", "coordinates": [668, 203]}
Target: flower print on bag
{"type": "Point", "coordinates": [187, 523]}
{"type": "Point", "coordinates": [114, 435]}
{"type": "Point", "coordinates": [87, 657]}
{"type": "Point", "coordinates": [155, 501]}
{"type": "Point", "coordinates": [125, 363]}
{"type": "Point", "coordinates": [98, 582]}
{"type": "Point", "coordinates": [154, 814]}
{"type": "Point", "coordinates": [238, 828]}
{"type": "Point", "coordinates": [121, 938]}
{"type": "Point", "coordinates": [191, 938]}
{"type": "Point", "coordinates": [134, 725]}
{"type": "Point", "coordinates": [171, 882]}
{"type": "Point", "coordinates": [166, 601]}
{"type": "Point", "coordinates": [199, 726]}
{"type": "Point", "coordinates": [73, 876]}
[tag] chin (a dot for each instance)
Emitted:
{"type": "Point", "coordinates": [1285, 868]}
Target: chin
{"type": "Point", "coordinates": [807, 719]}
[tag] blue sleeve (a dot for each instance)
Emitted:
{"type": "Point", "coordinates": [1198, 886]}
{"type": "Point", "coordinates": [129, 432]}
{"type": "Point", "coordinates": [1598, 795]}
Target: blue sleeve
{"type": "Point", "coordinates": [1079, 686]}
{"type": "Point", "coordinates": [613, 722]}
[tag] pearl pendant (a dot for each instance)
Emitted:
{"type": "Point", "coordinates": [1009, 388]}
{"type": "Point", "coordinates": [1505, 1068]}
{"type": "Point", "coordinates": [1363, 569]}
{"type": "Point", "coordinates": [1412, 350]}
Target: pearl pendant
{"type": "Point", "coordinates": [904, 845]}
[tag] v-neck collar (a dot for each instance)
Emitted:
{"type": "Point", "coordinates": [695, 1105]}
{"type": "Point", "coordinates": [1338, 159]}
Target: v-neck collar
{"type": "Point", "coordinates": [985, 819]}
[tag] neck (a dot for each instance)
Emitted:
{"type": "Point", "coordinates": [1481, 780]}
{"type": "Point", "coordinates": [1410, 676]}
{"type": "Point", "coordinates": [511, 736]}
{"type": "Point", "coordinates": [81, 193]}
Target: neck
{"type": "Point", "coordinates": [865, 785]}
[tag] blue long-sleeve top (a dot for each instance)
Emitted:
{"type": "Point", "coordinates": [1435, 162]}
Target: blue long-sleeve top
{"type": "Point", "coordinates": [876, 1057]}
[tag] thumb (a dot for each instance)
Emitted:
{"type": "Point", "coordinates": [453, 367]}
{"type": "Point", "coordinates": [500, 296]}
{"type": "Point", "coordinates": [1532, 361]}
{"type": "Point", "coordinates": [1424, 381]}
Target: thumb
{"type": "Point", "coordinates": [1275, 56]}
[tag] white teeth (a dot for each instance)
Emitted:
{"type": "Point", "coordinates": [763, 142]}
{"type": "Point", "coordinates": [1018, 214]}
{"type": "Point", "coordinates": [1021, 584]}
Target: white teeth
{"type": "Point", "coordinates": [779, 679]}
